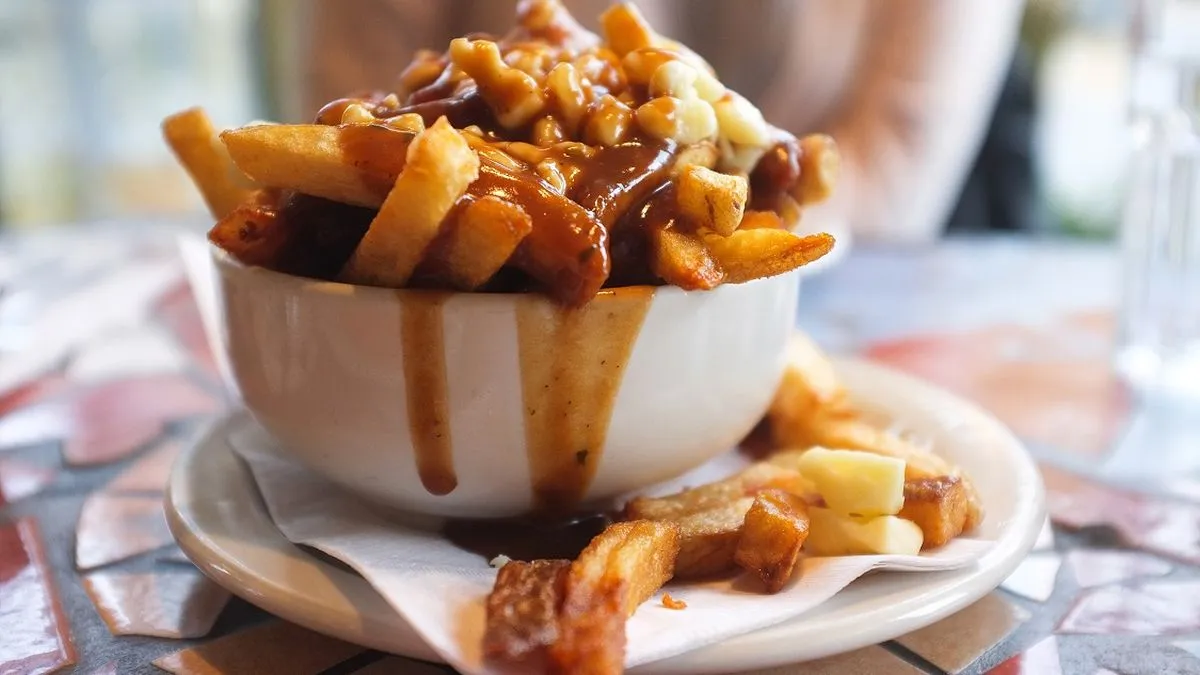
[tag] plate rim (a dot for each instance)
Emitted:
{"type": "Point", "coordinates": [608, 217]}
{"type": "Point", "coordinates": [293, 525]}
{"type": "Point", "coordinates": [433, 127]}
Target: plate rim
{"type": "Point", "coordinates": [758, 649]}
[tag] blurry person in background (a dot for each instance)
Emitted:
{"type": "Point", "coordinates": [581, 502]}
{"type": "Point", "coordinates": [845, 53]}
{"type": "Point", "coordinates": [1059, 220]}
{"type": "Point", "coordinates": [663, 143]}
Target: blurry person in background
{"type": "Point", "coordinates": [907, 87]}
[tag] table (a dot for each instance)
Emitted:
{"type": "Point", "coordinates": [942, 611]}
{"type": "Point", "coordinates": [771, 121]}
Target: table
{"type": "Point", "coordinates": [104, 366]}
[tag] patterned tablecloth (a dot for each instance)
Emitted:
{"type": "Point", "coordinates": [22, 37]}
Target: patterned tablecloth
{"type": "Point", "coordinates": [104, 366]}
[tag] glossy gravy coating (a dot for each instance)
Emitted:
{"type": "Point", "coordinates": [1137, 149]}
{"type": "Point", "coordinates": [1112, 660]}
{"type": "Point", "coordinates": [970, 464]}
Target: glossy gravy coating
{"type": "Point", "coordinates": [571, 361]}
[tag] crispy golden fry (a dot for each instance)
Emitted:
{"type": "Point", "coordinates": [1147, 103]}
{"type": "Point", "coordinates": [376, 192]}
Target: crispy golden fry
{"type": "Point", "coordinates": [713, 495]}
{"type": "Point", "coordinates": [522, 610]}
{"type": "Point", "coordinates": [194, 141]}
{"type": "Point", "coordinates": [681, 259]}
{"type": "Point", "coordinates": [592, 635]}
{"type": "Point", "coordinates": [251, 234]}
{"type": "Point", "coordinates": [810, 386]}
{"type": "Point", "coordinates": [316, 159]}
{"type": "Point", "coordinates": [439, 168]}
{"type": "Point", "coordinates": [712, 200]}
{"type": "Point", "coordinates": [708, 539]}
{"type": "Point", "coordinates": [819, 166]}
{"type": "Point", "coordinates": [811, 407]}
{"type": "Point", "coordinates": [625, 29]}
{"type": "Point", "coordinates": [619, 570]}
{"type": "Point", "coordinates": [754, 254]}
{"type": "Point", "coordinates": [775, 528]}
{"type": "Point", "coordinates": [761, 220]}
{"type": "Point", "coordinates": [939, 506]}
{"type": "Point", "coordinates": [920, 464]}
{"type": "Point", "coordinates": [473, 246]}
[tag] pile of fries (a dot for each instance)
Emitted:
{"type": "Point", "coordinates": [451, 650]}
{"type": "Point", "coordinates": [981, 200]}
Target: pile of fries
{"type": "Point", "coordinates": [551, 159]}
{"type": "Point", "coordinates": [569, 616]}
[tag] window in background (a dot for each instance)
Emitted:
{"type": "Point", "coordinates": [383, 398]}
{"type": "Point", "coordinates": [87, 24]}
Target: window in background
{"type": "Point", "coordinates": [1083, 63]}
{"type": "Point", "coordinates": [85, 84]}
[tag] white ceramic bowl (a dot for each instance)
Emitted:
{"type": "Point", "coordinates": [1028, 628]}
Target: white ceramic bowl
{"type": "Point", "coordinates": [346, 377]}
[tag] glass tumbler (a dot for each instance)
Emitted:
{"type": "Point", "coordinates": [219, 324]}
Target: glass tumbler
{"type": "Point", "coordinates": [1158, 350]}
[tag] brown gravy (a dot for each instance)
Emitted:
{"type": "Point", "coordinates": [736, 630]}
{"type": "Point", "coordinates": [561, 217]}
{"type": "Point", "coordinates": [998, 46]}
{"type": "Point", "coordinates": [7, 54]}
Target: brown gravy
{"type": "Point", "coordinates": [426, 389]}
{"type": "Point", "coordinates": [572, 362]}
{"type": "Point", "coordinates": [526, 538]}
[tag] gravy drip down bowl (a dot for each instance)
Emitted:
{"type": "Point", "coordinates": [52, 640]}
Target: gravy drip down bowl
{"type": "Point", "coordinates": [476, 405]}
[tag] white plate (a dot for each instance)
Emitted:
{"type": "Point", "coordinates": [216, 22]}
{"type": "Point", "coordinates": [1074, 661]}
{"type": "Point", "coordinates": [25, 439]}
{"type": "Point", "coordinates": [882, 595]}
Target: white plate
{"type": "Point", "coordinates": [220, 522]}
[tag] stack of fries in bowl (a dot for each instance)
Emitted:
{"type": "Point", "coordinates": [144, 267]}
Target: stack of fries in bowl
{"type": "Point", "coordinates": [544, 271]}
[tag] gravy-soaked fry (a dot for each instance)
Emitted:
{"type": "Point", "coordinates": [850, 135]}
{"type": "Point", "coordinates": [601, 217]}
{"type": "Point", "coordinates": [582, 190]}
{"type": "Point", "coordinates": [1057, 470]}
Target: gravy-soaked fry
{"type": "Point", "coordinates": [192, 138]}
{"type": "Point", "coordinates": [773, 531]}
{"type": "Point", "coordinates": [475, 243]}
{"type": "Point", "coordinates": [439, 168]}
{"type": "Point", "coordinates": [522, 610]}
{"type": "Point", "coordinates": [754, 254]}
{"type": "Point", "coordinates": [681, 259]}
{"type": "Point", "coordinates": [251, 234]}
{"type": "Point", "coordinates": [567, 250]}
{"type": "Point", "coordinates": [353, 164]}
{"type": "Point", "coordinates": [708, 539]}
{"type": "Point", "coordinates": [712, 200]}
{"type": "Point", "coordinates": [619, 570]}
{"type": "Point", "coordinates": [819, 166]}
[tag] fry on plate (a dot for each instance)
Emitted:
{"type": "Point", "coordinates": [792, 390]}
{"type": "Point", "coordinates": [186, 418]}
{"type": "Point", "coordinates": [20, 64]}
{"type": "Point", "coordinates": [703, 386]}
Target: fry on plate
{"type": "Point", "coordinates": [522, 610]}
{"type": "Point", "coordinates": [619, 570]}
{"type": "Point", "coordinates": [774, 529]}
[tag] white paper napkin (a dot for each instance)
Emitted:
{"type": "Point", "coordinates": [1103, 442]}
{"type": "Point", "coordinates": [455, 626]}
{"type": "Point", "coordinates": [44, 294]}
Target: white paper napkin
{"type": "Point", "coordinates": [439, 588]}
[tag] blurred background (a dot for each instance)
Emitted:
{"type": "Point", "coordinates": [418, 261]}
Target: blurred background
{"type": "Point", "coordinates": [84, 84]}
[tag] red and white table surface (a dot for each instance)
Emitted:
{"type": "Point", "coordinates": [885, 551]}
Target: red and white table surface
{"type": "Point", "coordinates": [104, 367]}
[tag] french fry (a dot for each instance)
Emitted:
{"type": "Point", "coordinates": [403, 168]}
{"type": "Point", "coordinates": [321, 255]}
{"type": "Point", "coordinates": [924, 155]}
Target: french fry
{"type": "Point", "coordinates": [708, 539]}
{"type": "Point", "coordinates": [939, 506]}
{"type": "Point", "coordinates": [439, 168]}
{"type": "Point", "coordinates": [761, 220]}
{"type": "Point", "coordinates": [192, 138]}
{"type": "Point", "coordinates": [522, 610]}
{"type": "Point", "coordinates": [774, 529]}
{"type": "Point", "coordinates": [681, 259]}
{"type": "Point", "coordinates": [820, 163]}
{"type": "Point", "coordinates": [811, 407]}
{"type": "Point", "coordinates": [473, 246]}
{"type": "Point", "coordinates": [712, 200]}
{"type": "Point", "coordinates": [754, 254]}
{"type": "Point", "coordinates": [251, 234]}
{"type": "Point", "coordinates": [321, 160]}
{"type": "Point", "coordinates": [619, 570]}
{"type": "Point", "coordinates": [713, 495]}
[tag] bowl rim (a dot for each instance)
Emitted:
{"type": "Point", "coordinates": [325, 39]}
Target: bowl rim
{"type": "Point", "coordinates": [226, 261]}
